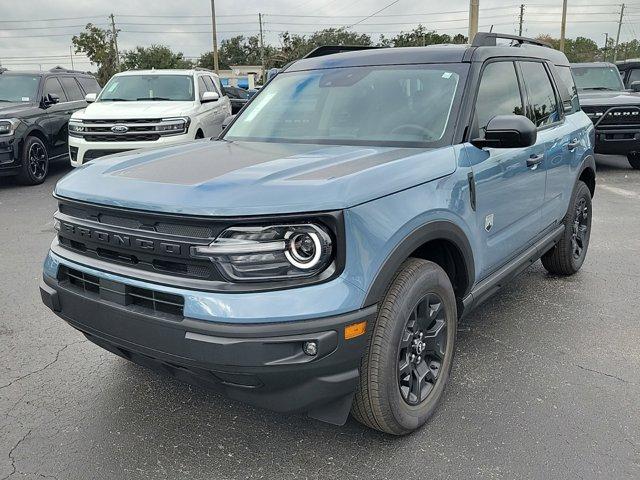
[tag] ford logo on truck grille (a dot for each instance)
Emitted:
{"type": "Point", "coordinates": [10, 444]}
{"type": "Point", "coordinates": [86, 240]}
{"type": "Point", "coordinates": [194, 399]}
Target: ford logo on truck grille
{"type": "Point", "coordinates": [119, 129]}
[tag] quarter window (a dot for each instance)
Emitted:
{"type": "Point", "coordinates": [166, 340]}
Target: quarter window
{"type": "Point", "coordinates": [568, 90]}
{"type": "Point", "coordinates": [543, 106]}
{"type": "Point", "coordinates": [499, 94]}
{"type": "Point", "coordinates": [89, 84]}
{"type": "Point", "coordinates": [52, 86]}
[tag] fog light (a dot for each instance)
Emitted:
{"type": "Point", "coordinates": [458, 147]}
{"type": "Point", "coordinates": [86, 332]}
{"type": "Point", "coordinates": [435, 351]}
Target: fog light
{"type": "Point", "coordinates": [310, 348]}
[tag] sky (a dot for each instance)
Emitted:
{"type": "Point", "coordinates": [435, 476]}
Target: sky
{"type": "Point", "coordinates": [36, 34]}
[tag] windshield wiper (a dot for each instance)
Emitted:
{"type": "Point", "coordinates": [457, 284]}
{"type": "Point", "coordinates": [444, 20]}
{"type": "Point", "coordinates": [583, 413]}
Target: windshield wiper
{"type": "Point", "coordinates": [115, 100]}
{"type": "Point", "coordinates": [152, 98]}
{"type": "Point", "coordinates": [599, 88]}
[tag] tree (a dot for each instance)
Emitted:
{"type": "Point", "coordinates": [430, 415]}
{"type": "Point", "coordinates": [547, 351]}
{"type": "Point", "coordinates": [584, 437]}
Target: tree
{"type": "Point", "coordinates": [420, 37]}
{"type": "Point", "coordinates": [99, 46]}
{"type": "Point", "coordinates": [294, 46]}
{"type": "Point", "coordinates": [239, 50]}
{"type": "Point", "coordinates": [580, 49]}
{"type": "Point", "coordinates": [155, 56]}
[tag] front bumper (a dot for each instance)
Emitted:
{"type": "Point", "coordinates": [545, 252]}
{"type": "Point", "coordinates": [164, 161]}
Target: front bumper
{"type": "Point", "coordinates": [82, 151]}
{"type": "Point", "coordinates": [259, 364]}
{"type": "Point", "coordinates": [9, 155]}
{"type": "Point", "coordinates": [617, 140]}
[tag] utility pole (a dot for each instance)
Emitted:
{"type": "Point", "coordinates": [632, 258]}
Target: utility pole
{"type": "Point", "coordinates": [474, 9]}
{"type": "Point", "coordinates": [521, 19]}
{"type": "Point", "coordinates": [606, 46]}
{"type": "Point", "coordinates": [615, 52]}
{"type": "Point", "coordinates": [71, 56]}
{"type": "Point", "coordinates": [262, 49]}
{"type": "Point", "coordinates": [114, 32]}
{"type": "Point", "coordinates": [214, 36]}
{"type": "Point", "coordinates": [563, 25]}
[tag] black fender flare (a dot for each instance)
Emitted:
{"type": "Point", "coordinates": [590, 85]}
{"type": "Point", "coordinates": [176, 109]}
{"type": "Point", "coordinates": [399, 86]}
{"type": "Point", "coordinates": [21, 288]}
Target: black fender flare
{"type": "Point", "coordinates": [589, 163]}
{"type": "Point", "coordinates": [434, 230]}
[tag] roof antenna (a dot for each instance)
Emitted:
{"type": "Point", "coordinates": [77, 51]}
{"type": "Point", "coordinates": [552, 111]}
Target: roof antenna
{"type": "Point", "coordinates": [491, 29]}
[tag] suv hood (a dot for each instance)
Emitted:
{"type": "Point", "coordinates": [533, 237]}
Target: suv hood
{"type": "Point", "coordinates": [9, 109]}
{"type": "Point", "coordinates": [221, 178]}
{"type": "Point", "coordinates": [130, 110]}
{"type": "Point", "coordinates": [597, 98]}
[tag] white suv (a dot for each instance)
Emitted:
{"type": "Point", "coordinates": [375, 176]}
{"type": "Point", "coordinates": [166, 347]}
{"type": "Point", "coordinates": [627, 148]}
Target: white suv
{"type": "Point", "coordinates": [148, 108]}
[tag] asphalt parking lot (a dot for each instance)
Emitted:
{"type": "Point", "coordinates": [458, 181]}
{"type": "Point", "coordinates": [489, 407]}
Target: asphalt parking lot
{"type": "Point", "coordinates": [546, 382]}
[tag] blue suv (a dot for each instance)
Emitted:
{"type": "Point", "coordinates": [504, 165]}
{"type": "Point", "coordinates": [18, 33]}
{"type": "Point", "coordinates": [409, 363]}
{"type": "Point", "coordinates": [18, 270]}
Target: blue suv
{"type": "Point", "coordinates": [318, 256]}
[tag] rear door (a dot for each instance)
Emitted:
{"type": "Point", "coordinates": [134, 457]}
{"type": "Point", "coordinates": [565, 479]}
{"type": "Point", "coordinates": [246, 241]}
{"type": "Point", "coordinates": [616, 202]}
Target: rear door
{"type": "Point", "coordinates": [555, 135]}
{"type": "Point", "coordinates": [509, 193]}
{"type": "Point", "coordinates": [57, 117]}
{"type": "Point", "coordinates": [222, 107]}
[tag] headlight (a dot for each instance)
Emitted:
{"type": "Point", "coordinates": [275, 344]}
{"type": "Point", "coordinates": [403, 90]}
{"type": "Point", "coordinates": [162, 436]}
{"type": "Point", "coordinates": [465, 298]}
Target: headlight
{"type": "Point", "coordinates": [174, 125]}
{"type": "Point", "coordinates": [275, 252]}
{"type": "Point", "coordinates": [8, 126]}
{"type": "Point", "coordinates": [76, 128]}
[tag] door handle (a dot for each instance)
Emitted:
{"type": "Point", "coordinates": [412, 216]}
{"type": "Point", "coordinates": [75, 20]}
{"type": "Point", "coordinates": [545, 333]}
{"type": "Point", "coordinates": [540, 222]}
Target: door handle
{"type": "Point", "coordinates": [535, 160]}
{"type": "Point", "coordinates": [573, 144]}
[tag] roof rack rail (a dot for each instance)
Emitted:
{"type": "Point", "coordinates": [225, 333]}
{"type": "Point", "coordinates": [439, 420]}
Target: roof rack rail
{"type": "Point", "coordinates": [202, 69]}
{"type": "Point", "coordinates": [486, 39]}
{"type": "Point", "coordinates": [331, 49]}
{"type": "Point", "coordinates": [68, 70]}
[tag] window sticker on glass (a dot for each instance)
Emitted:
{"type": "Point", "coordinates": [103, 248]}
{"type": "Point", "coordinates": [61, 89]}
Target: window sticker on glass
{"type": "Point", "coordinates": [25, 99]}
{"type": "Point", "coordinates": [446, 75]}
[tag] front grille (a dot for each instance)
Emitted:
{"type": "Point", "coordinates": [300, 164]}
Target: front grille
{"type": "Point", "coordinates": [141, 137]}
{"type": "Point", "coordinates": [155, 243]}
{"type": "Point", "coordinates": [613, 116]}
{"type": "Point", "coordinates": [135, 298]}
{"type": "Point", "coordinates": [93, 154]}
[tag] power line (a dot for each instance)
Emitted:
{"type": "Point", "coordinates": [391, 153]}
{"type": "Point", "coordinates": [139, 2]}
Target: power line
{"type": "Point", "coordinates": [374, 13]}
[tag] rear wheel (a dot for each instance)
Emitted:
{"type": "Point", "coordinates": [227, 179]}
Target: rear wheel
{"type": "Point", "coordinates": [568, 255]}
{"type": "Point", "coordinates": [35, 162]}
{"type": "Point", "coordinates": [634, 160]}
{"type": "Point", "coordinates": [407, 363]}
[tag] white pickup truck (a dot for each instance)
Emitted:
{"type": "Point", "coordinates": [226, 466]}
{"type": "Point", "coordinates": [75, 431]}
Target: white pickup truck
{"type": "Point", "coordinates": [148, 108]}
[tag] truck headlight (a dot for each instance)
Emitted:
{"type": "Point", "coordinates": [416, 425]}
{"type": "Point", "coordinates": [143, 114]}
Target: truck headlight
{"type": "Point", "coordinates": [273, 252]}
{"type": "Point", "coordinates": [173, 125]}
{"type": "Point", "coordinates": [76, 128]}
{"type": "Point", "coordinates": [8, 126]}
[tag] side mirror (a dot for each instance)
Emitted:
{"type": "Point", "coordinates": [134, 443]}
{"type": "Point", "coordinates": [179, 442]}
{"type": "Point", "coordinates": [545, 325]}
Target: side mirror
{"type": "Point", "coordinates": [51, 99]}
{"type": "Point", "coordinates": [635, 86]}
{"type": "Point", "coordinates": [508, 131]}
{"type": "Point", "coordinates": [227, 121]}
{"type": "Point", "coordinates": [90, 97]}
{"type": "Point", "coordinates": [209, 97]}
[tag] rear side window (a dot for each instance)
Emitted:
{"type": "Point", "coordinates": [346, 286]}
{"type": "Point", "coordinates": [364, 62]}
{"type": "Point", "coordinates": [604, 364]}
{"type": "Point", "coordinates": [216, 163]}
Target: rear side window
{"type": "Point", "coordinates": [543, 106]}
{"type": "Point", "coordinates": [71, 88]}
{"type": "Point", "coordinates": [89, 84]}
{"type": "Point", "coordinates": [498, 94]}
{"type": "Point", "coordinates": [201, 86]}
{"type": "Point", "coordinates": [568, 90]}
{"type": "Point", "coordinates": [52, 86]}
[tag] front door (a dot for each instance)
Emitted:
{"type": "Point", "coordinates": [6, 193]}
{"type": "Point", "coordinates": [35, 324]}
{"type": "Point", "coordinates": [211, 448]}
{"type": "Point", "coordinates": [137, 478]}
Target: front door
{"type": "Point", "coordinates": [509, 188]}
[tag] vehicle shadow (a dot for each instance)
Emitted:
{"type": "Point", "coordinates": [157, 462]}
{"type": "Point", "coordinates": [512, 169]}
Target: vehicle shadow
{"type": "Point", "coordinates": [610, 163]}
{"type": "Point", "coordinates": [56, 171]}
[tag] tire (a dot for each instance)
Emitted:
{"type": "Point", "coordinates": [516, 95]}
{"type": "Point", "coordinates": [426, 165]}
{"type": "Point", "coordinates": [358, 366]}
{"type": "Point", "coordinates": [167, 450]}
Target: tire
{"type": "Point", "coordinates": [385, 397]}
{"type": "Point", "coordinates": [568, 255]}
{"type": "Point", "coordinates": [634, 160]}
{"type": "Point", "coordinates": [35, 162]}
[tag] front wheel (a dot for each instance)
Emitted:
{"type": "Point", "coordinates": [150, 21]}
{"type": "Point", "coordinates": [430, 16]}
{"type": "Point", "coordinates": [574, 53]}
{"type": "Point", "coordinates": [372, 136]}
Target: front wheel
{"type": "Point", "coordinates": [634, 160]}
{"type": "Point", "coordinates": [407, 362]}
{"type": "Point", "coordinates": [35, 162]}
{"type": "Point", "coordinates": [568, 255]}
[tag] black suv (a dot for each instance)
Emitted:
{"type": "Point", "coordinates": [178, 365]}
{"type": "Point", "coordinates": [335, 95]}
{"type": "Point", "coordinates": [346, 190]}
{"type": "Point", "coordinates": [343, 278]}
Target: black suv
{"type": "Point", "coordinates": [35, 108]}
{"type": "Point", "coordinates": [614, 111]}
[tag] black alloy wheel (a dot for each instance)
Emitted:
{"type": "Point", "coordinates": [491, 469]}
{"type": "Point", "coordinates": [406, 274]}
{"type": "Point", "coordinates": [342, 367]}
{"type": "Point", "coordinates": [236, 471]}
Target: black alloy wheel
{"type": "Point", "coordinates": [38, 162]}
{"type": "Point", "coordinates": [422, 349]}
{"type": "Point", "coordinates": [580, 229]}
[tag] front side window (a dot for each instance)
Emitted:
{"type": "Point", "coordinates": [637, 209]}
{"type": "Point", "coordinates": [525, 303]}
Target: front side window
{"type": "Point", "coordinates": [498, 94]}
{"type": "Point", "coordinates": [409, 105]}
{"type": "Point", "coordinates": [634, 76]}
{"type": "Point", "coordinates": [18, 88]}
{"type": "Point", "coordinates": [542, 99]}
{"type": "Point", "coordinates": [597, 78]}
{"type": "Point", "coordinates": [52, 87]}
{"type": "Point", "coordinates": [133, 88]}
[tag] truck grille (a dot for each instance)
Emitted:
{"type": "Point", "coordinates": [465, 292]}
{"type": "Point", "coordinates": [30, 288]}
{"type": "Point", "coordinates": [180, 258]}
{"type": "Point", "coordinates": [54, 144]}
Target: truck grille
{"type": "Point", "coordinates": [151, 242]}
{"type": "Point", "coordinates": [130, 130]}
{"type": "Point", "coordinates": [613, 116]}
{"type": "Point", "coordinates": [127, 295]}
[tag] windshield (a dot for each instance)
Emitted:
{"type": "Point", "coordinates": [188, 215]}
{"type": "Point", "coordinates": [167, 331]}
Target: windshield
{"type": "Point", "coordinates": [18, 88]}
{"type": "Point", "coordinates": [128, 88]}
{"type": "Point", "coordinates": [357, 105]}
{"type": "Point", "coordinates": [597, 78]}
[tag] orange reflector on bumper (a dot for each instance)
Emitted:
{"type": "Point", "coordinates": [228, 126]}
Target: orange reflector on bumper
{"type": "Point", "coordinates": [355, 330]}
